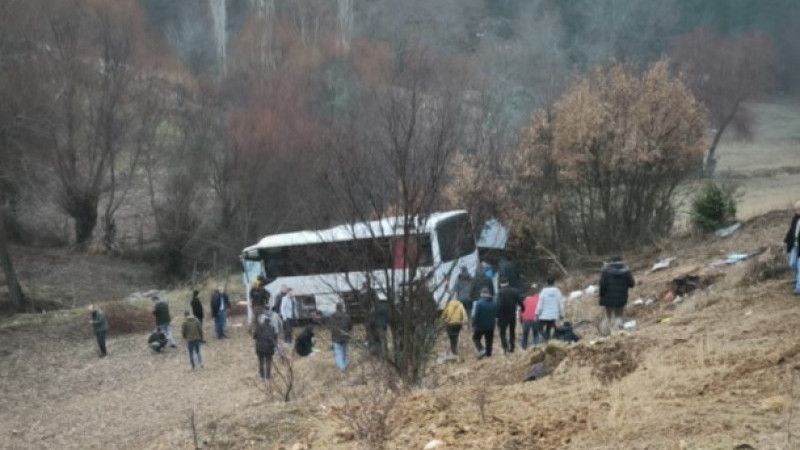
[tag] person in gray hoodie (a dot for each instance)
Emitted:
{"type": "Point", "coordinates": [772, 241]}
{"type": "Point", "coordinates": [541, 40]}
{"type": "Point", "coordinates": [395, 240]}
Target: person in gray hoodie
{"type": "Point", "coordinates": [615, 281]}
{"type": "Point", "coordinates": [550, 308]}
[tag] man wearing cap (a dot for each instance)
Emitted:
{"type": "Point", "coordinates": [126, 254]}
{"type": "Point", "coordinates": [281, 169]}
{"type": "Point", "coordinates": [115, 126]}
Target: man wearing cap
{"type": "Point", "coordinates": [259, 298]}
{"type": "Point", "coordinates": [220, 304]}
{"type": "Point", "coordinates": [163, 319]}
{"type": "Point", "coordinates": [100, 325]}
{"type": "Point", "coordinates": [615, 281]}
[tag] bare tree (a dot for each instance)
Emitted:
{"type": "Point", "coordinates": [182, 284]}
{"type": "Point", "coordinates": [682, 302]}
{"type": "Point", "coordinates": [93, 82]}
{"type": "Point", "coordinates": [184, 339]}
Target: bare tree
{"type": "Point", "coordinates": [91, 60]}
{"type": "Point", "coordinates": [390, 160]}
{"type": "Point", "coordinates": [724, 72]}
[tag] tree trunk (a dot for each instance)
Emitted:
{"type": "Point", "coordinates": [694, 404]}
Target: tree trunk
{"type": "Point", "coordinates": [711, 161]}
{"type": "Point", "coordinates": [14, 290]}
{"type": "Point", "coordinates": [85, 224]}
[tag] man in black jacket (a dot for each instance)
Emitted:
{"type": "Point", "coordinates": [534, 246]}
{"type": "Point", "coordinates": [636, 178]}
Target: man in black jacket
{"type": "Point", "coordinates": [220, 304]}
{"type": "Point", "coordinates": [791, 241]}
{"type": "Point", "coordinates": [197, 307]}
{"type": "Point", "coordinates": [615, 281]}
{"type": "Point", "coordinates": [508, 299]}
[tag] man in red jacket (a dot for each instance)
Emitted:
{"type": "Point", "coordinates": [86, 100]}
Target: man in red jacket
{"type": "Point", "coordinates": [528, 317]}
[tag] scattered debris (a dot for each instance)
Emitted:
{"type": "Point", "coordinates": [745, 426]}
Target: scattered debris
{"type": "Point", "coordinates": [435, 443]}
{"type": "Point", "coordinates": [638, 302]}
{"type": "Point", "coordinates": [733, 258]}
{"type": "Point", "coordinates": [727, 231]}
{"type": "Point", "coordinates": [629, 325]}
{"type": "Point", "coordinates": [591, 290]}
{"type": "Point", "coordinates": [685, 284]}
{"type": "Point", "coordinates": [662, 264]}
{"type": "Point", "coordinates": [776, 403]}
{"type": "Point", "coordinates": [574, 295]}
{"type": "Point", "coordinates": [665, 320]}
{"type": "Point", "coordinates": [144, 294]}
{"type": "Point", "coordinates": [536, 372]}
{"type": "Point", "coordinates": [649, 301]}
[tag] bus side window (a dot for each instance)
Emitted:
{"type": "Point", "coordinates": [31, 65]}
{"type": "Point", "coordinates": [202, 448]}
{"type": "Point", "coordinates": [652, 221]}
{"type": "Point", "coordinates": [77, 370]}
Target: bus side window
{"type": "Point", "coordinates": [401, 260]}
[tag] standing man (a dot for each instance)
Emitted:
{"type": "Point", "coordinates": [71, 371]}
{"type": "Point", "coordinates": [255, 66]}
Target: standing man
{"type": "Point", "coordinates": [266, 340]}
{"type": "Point", "coordinates": [550, 308]}
{"type": "Point", "coordinates": [463, 289]}
{"type": "Point", "coordinates": [192, 333]}
{"type": "Point", "coordinates": [163, 319]}
{"type": "Point", "coordinates": [100, 325]}
{"type": "Point", "coordinates": [220, 304]}
{"type": "Point", "coordinates": [792, 248]}
{"type": "Point", "coordinates": [615, 281]}
{"type": "Point", "coordinates": [259, 298]}
{"type": "Point", "coordinates": [528, 317]}
{"type": "Point", "coordinates": [506, 269]}
{"type": "Point", "coordinates": [484, 314]}
{"type": "Point", "coordinates": [197, 307]}
{"type": "Point", "coordinates": [340, 335]}
{"type": "Point", "coordinates": [288, 314]}
{"type": "Point", "coordinates": [508, 299]}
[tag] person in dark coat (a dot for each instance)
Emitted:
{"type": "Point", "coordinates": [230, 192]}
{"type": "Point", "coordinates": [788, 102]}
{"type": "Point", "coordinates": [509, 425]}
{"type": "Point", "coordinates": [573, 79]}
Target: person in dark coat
{"type": "Point", "coordinates": [266, 339]}
{"type": "Point", "coordinates": [484, 315]}
{"type": "Point", "coordinates": [792, 248]}
{"type": "Point", "coordinates": [197, 306]}
{"type": "Point", "coordinates": [259, 298]}
{"type": "Point", "coordinates": [481, 281]}
{"type": "Point", "coordinates": [304, 342]}
{"type": "Point", "coordinates": [100, 326]}
{"type": "Point", "coordinates": [220, 305]}
{"type": "Point", "coordinates": [615, 281]}
{"type": "Point", "coordinates": [463, 289]}
{"type": "Point", "coordinates": [508, 300]}
{"type": "Point", "coordinates": [157, 340]}
{"type": "Point", "coordinates": [506, 269]}
{"type": "Point", "coordinates": [163, 319]}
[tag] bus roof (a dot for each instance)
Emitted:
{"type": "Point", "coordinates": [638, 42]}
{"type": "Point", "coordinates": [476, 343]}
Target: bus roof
{"type": "Point", "coordinates": [389, 226]}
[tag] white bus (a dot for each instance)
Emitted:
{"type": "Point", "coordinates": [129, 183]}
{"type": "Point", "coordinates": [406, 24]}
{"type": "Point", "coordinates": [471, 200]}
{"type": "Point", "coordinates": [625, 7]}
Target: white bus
{"type": "Point", "coordinates": [323, 266]}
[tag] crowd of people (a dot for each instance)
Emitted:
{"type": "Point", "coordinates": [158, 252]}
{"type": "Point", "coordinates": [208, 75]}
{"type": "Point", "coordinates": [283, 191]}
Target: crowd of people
{"type": "Point", "coordinates": [472, 303]}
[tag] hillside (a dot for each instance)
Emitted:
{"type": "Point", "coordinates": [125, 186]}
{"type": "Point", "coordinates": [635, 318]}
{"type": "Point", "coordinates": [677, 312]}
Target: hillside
{"type": "Point", "coordinates": [720, 372]}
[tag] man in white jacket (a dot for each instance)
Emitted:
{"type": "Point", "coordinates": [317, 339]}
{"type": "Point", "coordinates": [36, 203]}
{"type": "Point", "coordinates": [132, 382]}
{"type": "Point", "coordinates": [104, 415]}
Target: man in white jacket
{"type": "Point", "coordinates": [550, 308]}
{"type": "Point", "coordinates": [288, 315]}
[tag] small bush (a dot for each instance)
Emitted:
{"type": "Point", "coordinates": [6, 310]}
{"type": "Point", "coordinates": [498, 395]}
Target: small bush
{"type": "Point", "coordinates": [124, 317]}
{"type": "Point", "coordinates": [714, 206]}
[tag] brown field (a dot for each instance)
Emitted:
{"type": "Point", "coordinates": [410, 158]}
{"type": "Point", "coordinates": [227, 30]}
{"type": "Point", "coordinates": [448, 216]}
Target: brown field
{"type": "Point", "coordinates": [722, 371]}
{"type": "Point", "coordinates": [768, 165]}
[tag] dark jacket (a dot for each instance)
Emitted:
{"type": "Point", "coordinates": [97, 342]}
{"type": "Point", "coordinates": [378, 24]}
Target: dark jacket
{"type": "Point", "coordinates": [161, 312]}
{"type": "Point", "coordinates": [506, 269]}
{"type": "Point", "coordinates": [340, 327]}
{"type": "Point", "coordinates": [215, 300]}
{"type": "Point", "coordinates": [197, 308]}
{"type": "Point", "coordinates": [99, 321]}
{"type": "Point", "coordinates": [259, 298]}
{"type": "Point", "coordinates": [484, 314]}
{"type": "Point", "coordinates": [463, 287]}
{"type": "Point", "coordinates": [614, 284]}
{"type": "Point", "coordinates": [265, 337]}
{"type": "Point", "coordinates": [791, 240]}
{"type": "Point", "coordinates": [508, 299]}
{"type": "Point", "coordinates": [479, 282]}
{"type": "Point", "coordinates": [302, 345]}
{"type": "Point", "coordinates": [157, 336]}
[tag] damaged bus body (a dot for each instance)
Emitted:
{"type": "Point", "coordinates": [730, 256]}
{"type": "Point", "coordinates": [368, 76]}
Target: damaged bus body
{"type": "Point", "coordinates": [324, 267]}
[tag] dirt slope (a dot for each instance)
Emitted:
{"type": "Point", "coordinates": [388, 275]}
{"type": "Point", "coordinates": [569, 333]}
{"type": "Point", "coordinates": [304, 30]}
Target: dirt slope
{"type": "Point", "coordinates": [722, 371]}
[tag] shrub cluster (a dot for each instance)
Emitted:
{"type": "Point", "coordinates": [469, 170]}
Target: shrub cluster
{"type": "Point", "coordinates": [713, 206]}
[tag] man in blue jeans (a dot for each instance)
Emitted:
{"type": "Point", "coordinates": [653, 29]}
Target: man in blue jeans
{"type": "Point", "coordinates": [791, 240]}
{"type": "Point", "coordinates": [340, 335]}
{"type": "Point", "coordinates": [220, 304]}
